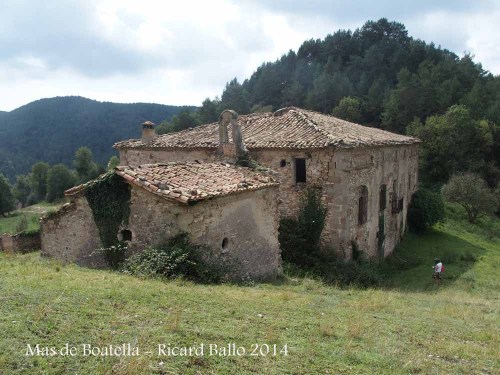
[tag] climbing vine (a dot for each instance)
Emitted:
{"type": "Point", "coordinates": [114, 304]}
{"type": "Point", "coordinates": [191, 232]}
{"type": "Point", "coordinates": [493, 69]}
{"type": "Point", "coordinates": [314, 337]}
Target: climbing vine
{"type": "Point", "coordinates": [109, 199]}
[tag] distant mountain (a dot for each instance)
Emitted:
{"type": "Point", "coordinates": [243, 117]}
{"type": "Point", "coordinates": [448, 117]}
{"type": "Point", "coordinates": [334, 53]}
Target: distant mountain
{"type": "Point", "coordinates": [51, 130]}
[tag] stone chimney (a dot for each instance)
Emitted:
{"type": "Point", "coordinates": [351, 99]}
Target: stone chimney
{"type": "Point", "coordinates": [148, 130]}
{"type": "Point", "coordinates": [236, 148]}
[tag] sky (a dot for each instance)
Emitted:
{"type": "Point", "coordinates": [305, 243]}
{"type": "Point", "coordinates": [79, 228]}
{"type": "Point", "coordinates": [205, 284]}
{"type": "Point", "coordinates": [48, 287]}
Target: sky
{"type": "Point", "coordinates": [181, 52]}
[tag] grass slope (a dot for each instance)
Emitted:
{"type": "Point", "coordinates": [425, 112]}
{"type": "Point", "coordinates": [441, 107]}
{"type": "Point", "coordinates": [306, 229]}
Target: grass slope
{"type": "Point", "coordinates": [406, 327]}
{"type": "Point", "coordinates": [33, 213]}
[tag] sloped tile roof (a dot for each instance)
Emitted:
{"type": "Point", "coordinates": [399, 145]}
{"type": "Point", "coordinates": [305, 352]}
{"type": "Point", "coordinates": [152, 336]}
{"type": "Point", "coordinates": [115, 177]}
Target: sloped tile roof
{"type": "Point", "coordinates": [291, 128]}
{"type": "Point", "coordinates": [191, 182]}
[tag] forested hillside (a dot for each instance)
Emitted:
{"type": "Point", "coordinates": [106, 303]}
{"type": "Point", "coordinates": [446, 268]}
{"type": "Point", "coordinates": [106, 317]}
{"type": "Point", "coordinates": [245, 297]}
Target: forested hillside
{"type": "Point", "coordinates": [51, 130]}
{"type": "Point", "coordinates": [380, 76]}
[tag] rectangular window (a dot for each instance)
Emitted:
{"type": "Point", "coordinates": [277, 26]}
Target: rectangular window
{"type": "Point", "coordinates": [300, 170]}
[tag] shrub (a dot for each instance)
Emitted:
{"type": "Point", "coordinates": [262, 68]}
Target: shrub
{"type": "Point", "coordinates": [114, 254]}
{"type": "Point", "coordinates": [425, 210]}
{"type": "Point", "coordinates": [176, 257]}
{"type": "Point", "coordinates": [300, 244]}
{"type": "Point", "coordinates": [300, 238]}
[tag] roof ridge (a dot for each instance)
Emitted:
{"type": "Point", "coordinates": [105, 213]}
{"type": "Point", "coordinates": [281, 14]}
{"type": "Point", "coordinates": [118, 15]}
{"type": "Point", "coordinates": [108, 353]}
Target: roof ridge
{"type": "Point", "coordinates": [316, 127]}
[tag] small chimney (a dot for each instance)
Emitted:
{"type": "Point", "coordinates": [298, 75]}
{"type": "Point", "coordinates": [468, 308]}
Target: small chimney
{"type": "Point", "coordinates": [148, 130]}
{"type": "Point", "coordinates": [237, 147]}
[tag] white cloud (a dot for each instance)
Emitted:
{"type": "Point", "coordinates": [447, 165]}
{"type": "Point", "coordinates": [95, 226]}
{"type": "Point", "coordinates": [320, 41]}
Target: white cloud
{"type": "Point", "coordinates": [182, 52]}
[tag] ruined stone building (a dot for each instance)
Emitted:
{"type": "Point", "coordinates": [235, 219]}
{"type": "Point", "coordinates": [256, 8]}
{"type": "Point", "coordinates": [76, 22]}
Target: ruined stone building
{"type": "Point", "coordinates": [366, 175]}
{"type": "Point", "coordinates": [231, 211]}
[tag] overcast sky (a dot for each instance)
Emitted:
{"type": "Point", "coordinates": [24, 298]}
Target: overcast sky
{"type": "Point", "coordinates": [180, 52]}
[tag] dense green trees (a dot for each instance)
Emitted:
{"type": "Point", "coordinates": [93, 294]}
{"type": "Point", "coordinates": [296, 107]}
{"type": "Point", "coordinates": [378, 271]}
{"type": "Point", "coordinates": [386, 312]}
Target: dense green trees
{"type": "Point", "coordinates": [38, 181]}
{"type": "Point", "coordinates": [456, 142]}
{"type": "Point", "coordinates": [182, 121]}
{"type": "Point", "coordinates": [348, 109]}
{"type": "Point", "coordinates": [22, 189]}
{"type": "Point", "coordinates": [6, 196]}
{"type": "Point", "coordinates": [59, 179]}
{"type": "Point", "coordinates": [379, 76]}
{"type": "Point", "coordinates": [51, 130]}
{"type": "Point", "coordinates": [84, 164]}
{"type": "Point", "coordinates": [426, 209]}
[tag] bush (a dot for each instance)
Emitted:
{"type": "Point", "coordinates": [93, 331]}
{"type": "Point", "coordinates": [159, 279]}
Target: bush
{"type": "Point", "coordinates": [300, 248]}
{"type": "Point", "coordinates": [299, 238]}
{"type": "Point", "coordinates": [174, 258]}
{"type": "Point", "coordinates": [425, 210]}
{"type": "Point", "coordinates": [115, 254]}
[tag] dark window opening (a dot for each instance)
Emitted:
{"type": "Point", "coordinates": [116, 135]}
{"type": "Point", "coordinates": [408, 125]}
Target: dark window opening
{"type": "Point", "coordinates": [225, 243]}
{"type": "Point", "coordinates": [383, 197]}
{"type": "Point", "coordinates": [363, 205]}
{"type": "Point", "coordinates": [125, 235]}
{"type": "Point", "coordinates": [283, 163]}
{"type": "Point", "coordinates": [300, 170]}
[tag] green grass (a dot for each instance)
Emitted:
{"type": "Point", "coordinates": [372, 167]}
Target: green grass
{"type": "Point", "coordinates": [406, 327]}
{"type": "Point", "coordinates": [33, 213]}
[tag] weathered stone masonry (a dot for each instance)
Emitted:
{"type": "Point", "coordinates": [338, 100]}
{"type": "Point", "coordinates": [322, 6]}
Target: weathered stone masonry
{"type": "Point", "coordinates": [344, 160]}
{"type": "Point", "coordinates": [236, 222]}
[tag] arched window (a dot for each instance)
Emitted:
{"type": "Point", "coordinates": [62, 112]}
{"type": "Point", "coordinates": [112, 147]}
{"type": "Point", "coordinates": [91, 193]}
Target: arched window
{"type": "Point", "coordinates": [362, 205]}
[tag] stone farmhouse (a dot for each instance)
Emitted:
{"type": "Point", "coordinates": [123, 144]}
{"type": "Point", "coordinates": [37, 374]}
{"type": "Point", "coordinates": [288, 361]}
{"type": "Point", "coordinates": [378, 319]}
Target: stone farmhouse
{"type": "Point", "coordinates": [366, 175]}
{"type": "Point", "coordinates": [231, 211]}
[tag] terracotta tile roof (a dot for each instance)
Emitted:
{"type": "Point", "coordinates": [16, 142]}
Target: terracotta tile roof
{"type": "Point", "coordinates": [192, 182]}
{"type": "Point", "coordinates": [290, 127]}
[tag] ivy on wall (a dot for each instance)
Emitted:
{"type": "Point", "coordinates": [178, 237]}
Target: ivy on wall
{"type": "Point", "coordinates": [109, 200]}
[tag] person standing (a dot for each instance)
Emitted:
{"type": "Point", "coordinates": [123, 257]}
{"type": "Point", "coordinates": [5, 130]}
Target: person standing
{"type": "Point", "coordinates": [438, 270]}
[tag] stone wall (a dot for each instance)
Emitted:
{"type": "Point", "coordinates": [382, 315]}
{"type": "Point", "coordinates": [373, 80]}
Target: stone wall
{"type": "Point", "coordinates": [239, 232]}
{"type": "Point", "coordinates": [71, 235]}
{"type": "Point", "coordinates": [20, 243]}
{"type": "Point", "coordinates": [395, 167]}
{"type": "Point", "coordinates": [339, 174]}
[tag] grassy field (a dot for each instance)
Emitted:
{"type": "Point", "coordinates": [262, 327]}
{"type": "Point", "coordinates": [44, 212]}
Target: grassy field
{"type": "Point", "coordinates": [406, 327]}
{"type": "Point", "coordinates": [33, 213]}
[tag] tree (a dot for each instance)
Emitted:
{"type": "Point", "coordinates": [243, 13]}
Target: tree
{"type": "Point", "coordinates": [348, 109]}
{"type": "Point", "coordinates": [7, 203]}
{"type": "Point", "coordinates": [113, 162]}
{"type": "Point", "coordinates": [22, 189]}
{"type": "Point", "coordinates": [59, 179]}
{"type": "Point", "coordinates": [38, 181]}
{"type": "Point", "coordinates": [84, 164]}
{"type": "Point", "coordinates": [328, 90]}
{"type": "Point", "coordinates": [209, 111]}
{"type": "Point", "coordinates": [404, 103]}
{"type": "Point", "coordinates": [235, 97]}
{"type": "Point", "coordinates": [471, 192]}
{"type": "Point", "coordinates": [452, 143]}
{"type": "Point", "coordinates": [425, 210]}
{"type": "Point", "coordinates": [184, 120]}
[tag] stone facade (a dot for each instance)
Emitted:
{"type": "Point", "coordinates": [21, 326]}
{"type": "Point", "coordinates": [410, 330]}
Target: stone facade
{"type": "Point", "coordinates": [71, 235]}
{"type": "Point", "coordinates": [239, 232]}
{"type": "Point", "coordinates": [339, 173]}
